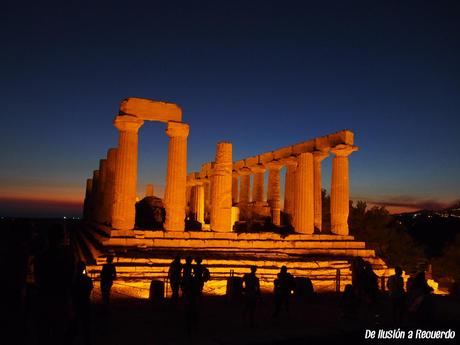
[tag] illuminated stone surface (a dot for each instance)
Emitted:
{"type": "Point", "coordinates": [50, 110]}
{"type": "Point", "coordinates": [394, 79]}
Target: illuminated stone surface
{"type": "Point", "coordinates": [94, 193]}
{"type": "Point", "coordinates": [221, 189]}
{"type": "Point", "coordinates": [303, 205]}
{"type": "Point", "coordinates": [149, 190]}
{"type": "Point", "coordinates": [234, 187]}
{"type": "Point", "coordinates": [245, 189]}
{"type": "Point", "coordinates": [147, 109]}
{"type": "Point", "coordinates": [273, 195]}
{"type": "Point", "coordinates": [176, 176]}
{"type": "Point", "coordinates": [101, 190]}
{"type": "Point", "coordinates": [340, 189]}
{"type": "Point", "coordinates": [258, 183]}
{"type": "Point", "coordinates": [107, 204]}
{"type": "Point", "coordinates": [124, 196]}
{"type": "Point", "coordinates": [289, 186]}
{"type": "Point", "coordinates": [318, 157]}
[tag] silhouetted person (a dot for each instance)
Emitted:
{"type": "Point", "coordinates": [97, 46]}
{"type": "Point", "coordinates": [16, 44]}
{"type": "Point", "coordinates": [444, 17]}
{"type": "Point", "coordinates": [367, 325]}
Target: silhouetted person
{"type": "Point", "coordinates": [187, 274]}
{"type": "Point", "coordinates": [108, 275]}
{"type": "Point", "coordinates": [201, 275]}
{"type": "Point", "coordinates": [54, 272]}
{"type": "Point", "coordinates": [395, 286]}
{"type": "Point", "coordinates": [283, 287]}
{"type": "Point", "coordinates": [174, 276]}
{"type": "Point", "coordinates": [420, 302]}
{"type": "Point", "coordinates": [348, 305]}
{"type": "Point", "coordinates": [81, 295]}
{"type": "Point", "coordinates": [190, 296]}
{"type": "Point", "coordinates": [251, 294]}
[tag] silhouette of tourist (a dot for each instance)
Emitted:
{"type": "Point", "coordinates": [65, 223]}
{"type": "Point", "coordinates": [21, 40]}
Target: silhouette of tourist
{"type": "Point", "coordinates": [251, 294]}
{"type": "Point", "coordinates": [81, 295]}
{"type": "Point", "coordinates": [348, 306]}
{"type": "Point", "coordinates": [395, 285]}
{"type": "Point", "coordinates": [54, 271]}
{"type": "Point", "coordinates": [420, 302]}
{"type": "Point", "coordinates": [174, 276]}
{"type": "Point", "coordinates": [283, 288]}
{"type": "Point", "coordinates": [201, 275]}
{"type": "Point", "coordinates": [190, 294]}
{"type": "Point", "coordinates": [108, 275]}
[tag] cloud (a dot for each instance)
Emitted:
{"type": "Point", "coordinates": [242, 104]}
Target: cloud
{"type": "Point", "coordinates": [397, 204]}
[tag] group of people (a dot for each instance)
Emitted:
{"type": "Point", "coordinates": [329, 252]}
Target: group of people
{"type": "Point", "coordinates": [412, 305]}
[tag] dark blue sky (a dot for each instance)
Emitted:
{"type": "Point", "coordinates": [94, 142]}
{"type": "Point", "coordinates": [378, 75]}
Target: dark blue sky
{"type": "Point", "coordinates": [261, 74]}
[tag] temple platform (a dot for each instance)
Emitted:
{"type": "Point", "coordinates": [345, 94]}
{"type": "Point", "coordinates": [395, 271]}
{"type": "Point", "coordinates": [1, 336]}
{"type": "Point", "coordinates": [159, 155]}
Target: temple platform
{"type": "Point", "coordinates": [145, 255]}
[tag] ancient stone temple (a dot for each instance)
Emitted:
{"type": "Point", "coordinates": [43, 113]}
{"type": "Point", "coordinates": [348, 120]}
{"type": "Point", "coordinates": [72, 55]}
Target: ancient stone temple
{"type": "Point", "coordinates": [222, 201]}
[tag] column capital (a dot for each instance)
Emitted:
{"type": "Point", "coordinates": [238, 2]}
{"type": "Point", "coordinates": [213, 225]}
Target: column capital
{"type": "Point", "coordinates": [235, 173]}
{"type": "Point", "coordinates": [258, 169]}
{"type": "Point", "coordinates": [343, 150]}
{"type": "Point", "coordinates": [290, 161]}
{"type": "Point", "coordinates": [319, 155]}
{"type": "Point", "coordinates": [244, 171]}
{"type": "Point", "coordinates": [274, 165]}
{"type": "Point", "coordinates": [127, 123]}
{"type": "Point", "coordinates": [177, 129]}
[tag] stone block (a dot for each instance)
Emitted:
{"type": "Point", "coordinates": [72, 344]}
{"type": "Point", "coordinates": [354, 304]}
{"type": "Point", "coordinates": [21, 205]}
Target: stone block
{"type": "Point", "coordinates": [147, 109]}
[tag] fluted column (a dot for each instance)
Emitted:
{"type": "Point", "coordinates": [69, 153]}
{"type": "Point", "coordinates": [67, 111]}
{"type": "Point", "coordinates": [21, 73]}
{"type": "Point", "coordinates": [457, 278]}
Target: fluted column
{"type": "Point", "coordinates": [258, 183]}
{"type": "Point", "coordinates": [199, 201]}
{"type": "Point", "coordinates": [340, 189]}
{"type": "Point", "coordinates": [221, 189]}
{"type": "Point", "coordinates": [94, 193]}
{"type": "Point", "coordinates": [207, 198]}
{"type": "Point", "coordinates": [109, 185]}
{"type": "Point", "coordinates": [318, 157]}
{"type": "Point", "coordinates": [289, 182]}
{"type": "Point", "coordinates": [274, 201]}
{"type": "Point", "coordinates": [234, 187]}
{"type": "Point", "coordinates": [176, 176]}
{"type": "Point", "coordinates": [245, 191]}
{"type": "Point", "coordinates": [124, 212]}
{"type": "Point", "coordinates": [304, 211]}
{"type": "Point", "coordinates": [101, 190]}
{"type": "Point", "coordinates": [87, 204]}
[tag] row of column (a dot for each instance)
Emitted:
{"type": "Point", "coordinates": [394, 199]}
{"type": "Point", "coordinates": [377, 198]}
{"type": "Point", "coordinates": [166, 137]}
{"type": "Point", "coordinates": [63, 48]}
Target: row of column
{"type": "Point", "coordinates": [303, 188]}
{"type": "Point", "coordinates": [111, 193]}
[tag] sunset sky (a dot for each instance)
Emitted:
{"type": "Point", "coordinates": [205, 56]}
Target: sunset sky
{"type": "Point", "coordinates": [260, 74]}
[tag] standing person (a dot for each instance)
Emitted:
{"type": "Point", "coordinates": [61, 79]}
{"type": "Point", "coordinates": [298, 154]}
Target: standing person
{"type": "Point", "coordinates": [187, 274]}
{"type": "Point", "coordinates": [201, 275]}
{"type": "Point", "coordinates": [251, 294]}
{"type": "Point", "coordinates": [54, 271]}
{"type": "Point", "coordinates": [108, 275]}
{"type": "Point", "coordinates": [174, 276]}
{"type": "Point", "coordinates": [395, 286]}
{"type": "Point", "coordinates": [283, 287]}
{"type": "Point", "coordinates": [81, 296]}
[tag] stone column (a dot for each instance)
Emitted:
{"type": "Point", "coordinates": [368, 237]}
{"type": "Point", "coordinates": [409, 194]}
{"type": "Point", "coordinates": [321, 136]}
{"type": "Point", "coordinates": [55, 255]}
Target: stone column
{"type": "Point", "coordinates": [87, 204]}
{"type": "Point", "coordinates": [124, 198]}
{"type": "Point", "coordinates": [221, 189]}
{"type": "Point", "coordinates": [234, 187]}
{"type": "Point", "coordinates": [304, 211]}
{"type": "Point", "coordinates": [94, 193]}
{"type": "Point", "coordinates": [199, 201]}
{"type": "Point", "coordinates": [109, 185]}
{"type": "Point", "coordinates": [176, 176]}
{"type": "Point", "coordinates": [318, 157]}
{"type": "Point", "coordinates": [245, 190]}
{"type": "Point", "coordinates": [289, 182]}
{"type": "Point", "coordinates": [258, 183]}
{"type": "Point", "coordinates": [274, 168]}
{"type": "Point", "coordinates": [149, 190]}
{"type": "Point", "coordinates": [207, 198]}
{"type": "Point", "coordinates": [340, 189]}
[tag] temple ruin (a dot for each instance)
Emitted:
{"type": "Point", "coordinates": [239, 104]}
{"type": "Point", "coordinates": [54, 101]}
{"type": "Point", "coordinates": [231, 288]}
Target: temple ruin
{"type": "Point", "coordinates": [220, 198]}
